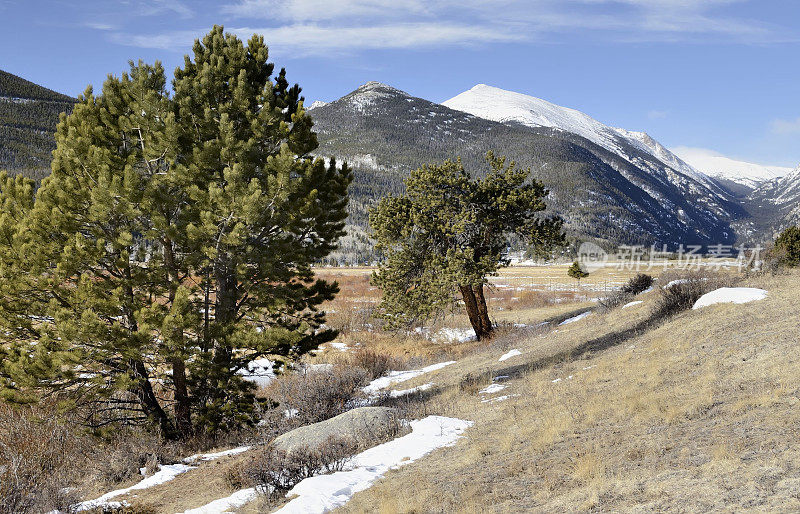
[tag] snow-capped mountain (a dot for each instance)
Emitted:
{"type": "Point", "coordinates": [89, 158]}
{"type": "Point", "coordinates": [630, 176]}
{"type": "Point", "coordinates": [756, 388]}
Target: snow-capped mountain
{"type": "Point", "coordinates": [718, 166]}
{"type": "Point", "coordinates": [629, 195]}
{"type": "Point", "coordinates": [497, 104]}
{"type": "Point", "coordinates": [315, 104]}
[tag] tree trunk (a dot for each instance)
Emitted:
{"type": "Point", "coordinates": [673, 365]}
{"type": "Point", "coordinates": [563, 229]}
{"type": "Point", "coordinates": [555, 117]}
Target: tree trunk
{"type": "Point", "coordinates": [183, 413]}
{"type": "Point", "coordinates": [225, 310]}
{"type": "Point", "coordinates": [182, 407]}
{"type": "Point", "coordinates": [147, 398]}
{"type": "Point", "coordinates": [471, 303]}
{"type": "Point", "coordinates": [483, 311]}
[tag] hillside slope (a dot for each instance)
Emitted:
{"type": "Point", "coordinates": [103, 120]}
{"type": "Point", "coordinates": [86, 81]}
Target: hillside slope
{"type": "Point", "coordinates": [28, 117]}
{"type": "Point", "coordinates": [384, 133]}
{"type": "Point", "coordinates": [697, 414]}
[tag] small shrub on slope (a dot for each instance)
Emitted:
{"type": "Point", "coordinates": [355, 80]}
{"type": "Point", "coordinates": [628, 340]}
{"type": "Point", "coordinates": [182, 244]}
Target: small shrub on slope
{"type": "Point", "coordinates": [317, 395]}
{"type": "Point", "coordinates": [635, 285]}
{"type": "Point", "coordinates": [39, 457]}
{"type": "Point", "coordinates": [275, 471]}
{"type": "Point", "coordinates": [681, 293]}
{"type": "Point", "coordinates": [638, 284]}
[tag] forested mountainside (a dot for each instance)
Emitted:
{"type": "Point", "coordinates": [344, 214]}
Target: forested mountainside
{"type": "Point", "coordinates": [384, 133]}
{"type": "Point", "coordinates": [28, 117]}
{"type": "Point", "coordinates": [610, 185]}
{"type": "Point", "coordinates": [774, 206]}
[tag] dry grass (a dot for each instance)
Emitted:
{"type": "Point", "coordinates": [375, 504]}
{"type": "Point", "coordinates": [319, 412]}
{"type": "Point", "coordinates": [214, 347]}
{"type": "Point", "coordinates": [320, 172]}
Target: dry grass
{"type": "Point", "coordinates": [612, 413]}
{"type": "Point", "coordinates": [697, 414]}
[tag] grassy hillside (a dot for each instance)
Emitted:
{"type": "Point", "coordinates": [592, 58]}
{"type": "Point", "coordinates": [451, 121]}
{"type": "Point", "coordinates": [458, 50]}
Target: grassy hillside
{"type": "Point", "coordinates": [619, 411]}
{"type": "Point", "coordinates": [28, 117]}
{"type": "Point", "coordinates": [604, 414]}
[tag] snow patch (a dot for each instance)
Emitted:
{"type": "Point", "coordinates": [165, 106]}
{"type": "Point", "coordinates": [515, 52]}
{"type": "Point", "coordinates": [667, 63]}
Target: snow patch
{"type": "Point", "coordinates": [164, 474]}
{"type": "Point", "coordinates": [573, 319]}
{"type": "Point", "coordinates": [506, 356]}
{"type": "Point", "coordinates": [730, 295]}
{"type": "Point", "coordinates": [259, 371]}
{"type": "Point", "coordinates": [214, 456]}
{"type": "Point", "coordinates": [234, 501]}
{"type": "Point", "coordinates": [327, 492]}
{"type": "Point", "coordinates": [406, 392]}
{"type": "Point", "coordinates": [631, 304]}
{"type": "Point", "coordinates": [491, 389]}
{"type": "Point", "coordinates": [395, 377]}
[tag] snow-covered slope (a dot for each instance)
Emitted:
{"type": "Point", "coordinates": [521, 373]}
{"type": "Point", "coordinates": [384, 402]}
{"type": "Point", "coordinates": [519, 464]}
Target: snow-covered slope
{"type": "Point", "coordinates": [717, 165]}
{"type": "Point", "coordinates": [507, 106]}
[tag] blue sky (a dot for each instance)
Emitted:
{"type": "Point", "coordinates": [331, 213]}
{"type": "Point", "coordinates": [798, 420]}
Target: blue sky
{"type": "Point", "coordinates": [717, 74]}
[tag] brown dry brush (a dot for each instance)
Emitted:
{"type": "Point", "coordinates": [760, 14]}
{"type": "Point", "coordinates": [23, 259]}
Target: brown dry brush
{"type": "Point", "coordinates": [314, 396]}
{"type": "Point", "coordinates": [38, 459]}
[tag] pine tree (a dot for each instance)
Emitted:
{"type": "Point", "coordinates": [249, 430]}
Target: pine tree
{"type": "Point", "coordinates": [171, 244]}
{"type": "Point", "coordinates": [449, 232]}
{"type": "Point", "coordinates": [787, 246]}
{"type": "Point", "coordinates": [576, 271]}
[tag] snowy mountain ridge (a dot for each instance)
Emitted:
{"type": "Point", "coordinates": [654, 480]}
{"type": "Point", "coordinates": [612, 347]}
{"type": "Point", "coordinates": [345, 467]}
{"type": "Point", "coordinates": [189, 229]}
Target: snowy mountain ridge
{"type": "Point", "coordinates": [718, 166]}
{"type": "Point", "coordinates": [503, 106]}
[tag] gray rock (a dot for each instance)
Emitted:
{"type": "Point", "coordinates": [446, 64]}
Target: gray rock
{"type": "Point", "coordinates": [366, 426]}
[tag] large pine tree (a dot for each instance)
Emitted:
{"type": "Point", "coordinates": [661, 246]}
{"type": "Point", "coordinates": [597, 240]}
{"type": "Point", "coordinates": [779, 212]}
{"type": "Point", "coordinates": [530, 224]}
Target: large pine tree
{"type": "Point", "coordinates": [449, 232]}
{"type": "Point", "coordinates": [171, 245]}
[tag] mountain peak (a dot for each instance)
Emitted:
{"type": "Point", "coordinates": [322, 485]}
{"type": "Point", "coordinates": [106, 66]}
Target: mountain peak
{"type": "Point", "coordinates": [503, 106]}
{"type": "Point", "coordinates": [379, 87]}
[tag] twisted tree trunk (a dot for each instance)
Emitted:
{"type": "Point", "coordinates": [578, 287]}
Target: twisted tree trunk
{"type": "Point", "coordinates": [476, 311]}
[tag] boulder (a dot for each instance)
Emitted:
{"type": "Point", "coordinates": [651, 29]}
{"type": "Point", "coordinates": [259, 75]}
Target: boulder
{"type": "Point", "coordinates": [366, 426]}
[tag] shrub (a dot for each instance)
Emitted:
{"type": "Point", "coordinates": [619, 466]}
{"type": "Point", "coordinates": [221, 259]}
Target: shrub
{"type": "Point", "coordinates": [376, 364]}
{"type": "Point", "coordinates": [121, 458]}
{"type": "Point", "coordinates": [39, 460]}
{"type": "Point", "coordinates": [317, 395]}
{"type": "Point", "coordinates": [681, 293]}
{"type": "Point", "coordinates": [614, 299]}
{"type": "Point", "coordinates": [273, 471]}
{"type": "Point", "coordinates": [638, 284]}
{"type": "Point", "coordinates": [635, 285]}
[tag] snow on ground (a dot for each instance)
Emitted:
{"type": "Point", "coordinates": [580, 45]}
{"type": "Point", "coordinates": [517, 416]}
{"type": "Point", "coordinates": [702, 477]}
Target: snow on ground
{"type": "Point", "coordinates": [631, 304]}
{"type": "Point", "coordinates": [342, 347]}
{"type": "Point", "coordinates": [214, 456]}
{"type": "Point", "coordinates": [259, 372]}
{"type": "Point", "coordinates": [676, 282]}
{"type": "Point", "coordinates": [498, 398]}
{"type": "Point", "coordinates": [491, 389]}
{"type": "Point", "coordinates": [506, 356]}
{"type": "Point", "coordinates": [323, 493]}
{"type": "Point", "coordinates": [405, 392]}
{"type": "Point", "coordinates": [165, 473]}
{"type": "Point", "coordinates": [395, 377]}
{"type": "Point", "coordinates": [447, 335]}
{"type": "Point", "coordinates": [454, 335]}
{"type": "Point", "coordinates": [573, 319]}
{"type": "Point", "coordinates": [234, 501]}
{"type": "Point", "coordinates": [730, 295]}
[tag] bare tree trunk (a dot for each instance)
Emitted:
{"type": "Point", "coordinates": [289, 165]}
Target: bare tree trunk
{"type": "Point", "coordinates": [183, 412]}
{"type": "Point", "coordinates": [483, 311]}
{"type": "Point", "coordinates": [470, 302]}
{"type": "Point", "coordinates": [147, 398]}
{"type": "Point", "coordinates": [182, 408]}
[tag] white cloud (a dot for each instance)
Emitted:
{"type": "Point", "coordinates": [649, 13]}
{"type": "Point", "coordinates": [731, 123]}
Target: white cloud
{"type": "Point", "coordinates": [307, 39]}
{"type": "Point", "coordinates": [317, 10]}
{"type": "Point", "coordinates": [786, 126]}
{"type": "Point", "coordinates": [656, 114]}
{"type": "Point", "coordinates": [322, 26]}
